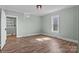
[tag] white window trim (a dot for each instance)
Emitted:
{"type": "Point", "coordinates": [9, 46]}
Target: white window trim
{"type": "Point", "coordinates": [52, 23]}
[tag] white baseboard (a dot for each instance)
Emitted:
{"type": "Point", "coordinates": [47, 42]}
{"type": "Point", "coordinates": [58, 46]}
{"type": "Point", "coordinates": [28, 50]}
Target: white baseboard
{"type": "Point", "coordinates": [28, 35]}
{"type": "Point", "coordinates": [67, 39]}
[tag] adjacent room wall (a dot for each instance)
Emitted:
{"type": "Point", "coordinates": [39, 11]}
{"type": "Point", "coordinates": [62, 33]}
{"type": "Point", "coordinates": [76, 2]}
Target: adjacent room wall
{"type": "Point", "coordinates": [26, 26]}
{"type": "Point", "coordinates": [68, 23]}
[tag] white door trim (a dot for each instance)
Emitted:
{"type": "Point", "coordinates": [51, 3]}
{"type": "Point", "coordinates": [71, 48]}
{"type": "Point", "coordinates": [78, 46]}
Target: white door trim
{"type": "Point", "coordinates": [3, 32]}
{"type": "Point", "coordinates": [16, 21]}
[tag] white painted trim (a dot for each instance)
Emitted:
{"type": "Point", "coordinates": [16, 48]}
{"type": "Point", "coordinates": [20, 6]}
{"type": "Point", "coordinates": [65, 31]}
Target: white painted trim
{"type": "Point", "coordinates": [51, 11]}
{"type": "Point", "coordinates": [27, 35]}
{"type": "Point", "coordinates": [67, 39]}
{"type": "Point", "coordinates": [2, 45]}
{"type": "Point", "coordinates": [16, 21]}
{"type": "Point", "coordinates": [11, 16]}
{"type": "Point", "coordinates": [63, 38]}
{"type": "Point", "coordinates": [52, 23]}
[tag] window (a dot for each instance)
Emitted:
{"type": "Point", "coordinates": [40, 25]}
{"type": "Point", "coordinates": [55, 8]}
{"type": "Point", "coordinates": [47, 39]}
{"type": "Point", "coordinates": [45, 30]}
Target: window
{"type": "Point", "coordinates": [55, 23]}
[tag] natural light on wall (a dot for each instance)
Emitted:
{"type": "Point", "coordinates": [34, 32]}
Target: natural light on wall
{"type": "Point", "coordinates": [55, 23]}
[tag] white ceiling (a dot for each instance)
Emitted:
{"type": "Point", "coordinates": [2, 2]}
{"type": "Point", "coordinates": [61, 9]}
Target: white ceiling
{"type": "Point", "coordinates": [31, 9]}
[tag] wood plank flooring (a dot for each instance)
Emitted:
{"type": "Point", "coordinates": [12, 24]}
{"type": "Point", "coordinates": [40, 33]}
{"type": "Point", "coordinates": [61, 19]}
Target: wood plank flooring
{"type": "Point", "coordinates": [38, 44]}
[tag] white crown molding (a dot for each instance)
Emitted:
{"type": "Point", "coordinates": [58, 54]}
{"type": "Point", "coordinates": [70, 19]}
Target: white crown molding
{"type": "Point", "coordinates": [51, 11]}
{"type": "Point", "coordinates": [42, 14]}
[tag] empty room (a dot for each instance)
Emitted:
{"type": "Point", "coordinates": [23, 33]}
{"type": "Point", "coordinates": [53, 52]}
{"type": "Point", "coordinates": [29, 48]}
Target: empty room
{"type": "Point", "coordinates": [39, 28]}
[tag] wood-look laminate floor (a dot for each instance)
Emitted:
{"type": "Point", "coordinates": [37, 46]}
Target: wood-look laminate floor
{"type": "Point", "coordinates": [38, 44]}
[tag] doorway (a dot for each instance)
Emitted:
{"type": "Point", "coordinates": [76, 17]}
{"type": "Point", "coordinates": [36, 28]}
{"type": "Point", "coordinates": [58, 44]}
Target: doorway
{"type": "Point", "coordinates": [11, 27]}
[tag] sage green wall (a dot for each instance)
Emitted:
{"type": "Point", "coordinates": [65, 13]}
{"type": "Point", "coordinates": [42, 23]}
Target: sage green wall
{"type": "Point", "coordinates": [76, 22]}
{"type": "Point", "coordinates": [26, 26]}
{"type": "Point", "coordinates": [68, 23]}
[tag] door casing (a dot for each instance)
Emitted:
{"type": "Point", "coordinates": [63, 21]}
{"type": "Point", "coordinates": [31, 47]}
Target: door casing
{"type": "Point", "coordinates": [16, 21]}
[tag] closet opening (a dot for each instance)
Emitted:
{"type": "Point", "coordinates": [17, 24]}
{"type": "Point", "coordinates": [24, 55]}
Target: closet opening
{"type": "Point", "coordinates": [11, 27]}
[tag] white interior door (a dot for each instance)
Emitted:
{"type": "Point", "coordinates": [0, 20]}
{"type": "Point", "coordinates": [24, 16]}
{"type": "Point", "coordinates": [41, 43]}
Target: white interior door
{"type": "Point", "coordinates": [3, 28]}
